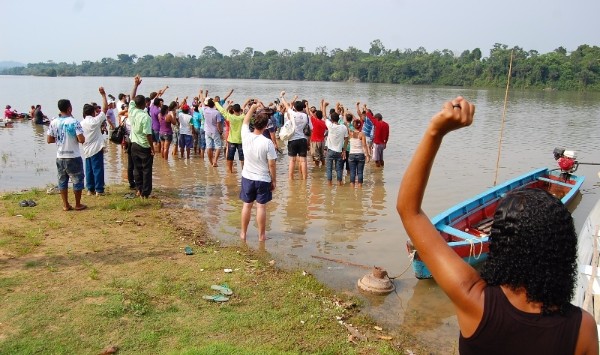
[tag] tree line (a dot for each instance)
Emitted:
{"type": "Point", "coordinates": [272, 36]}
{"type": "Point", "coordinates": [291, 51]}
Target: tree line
{"type": "Point", "coordinates": [557, 70]}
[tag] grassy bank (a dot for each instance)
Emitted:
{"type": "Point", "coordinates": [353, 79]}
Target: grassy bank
{"type": "Point", "coordinates": [116, 274]}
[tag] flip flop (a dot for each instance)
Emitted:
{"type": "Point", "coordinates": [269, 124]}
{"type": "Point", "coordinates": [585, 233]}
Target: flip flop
{"type": "Point", "coordinates": [216, 298]}
{"type": "Point", "coordinates": [223, 289]}
{"type": "Point", "coordinates": [68, 208]}
{"type": "Point", "coordinates": [31, 203]}
{"type": "Point", "coordinates": [24, 203]}
{"type": "Point", "coordinates": [80, 207]}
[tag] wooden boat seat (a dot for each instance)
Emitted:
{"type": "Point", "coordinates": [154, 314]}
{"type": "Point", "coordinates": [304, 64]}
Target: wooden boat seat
{"type": "Point", "coordinates": [556, 182]}
{"type": "Point", "coordinates": [485, 225]}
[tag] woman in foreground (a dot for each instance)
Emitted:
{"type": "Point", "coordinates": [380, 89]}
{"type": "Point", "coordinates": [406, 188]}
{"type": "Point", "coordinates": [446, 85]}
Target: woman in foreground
{"type": "Point", "coordinates": [520, 304]}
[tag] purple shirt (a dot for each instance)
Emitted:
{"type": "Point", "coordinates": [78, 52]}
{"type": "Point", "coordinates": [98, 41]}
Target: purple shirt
{"type": "Point", "coordinates": [154, 111]}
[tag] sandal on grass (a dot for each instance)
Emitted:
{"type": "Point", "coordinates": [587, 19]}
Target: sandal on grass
{"type": "Point", "coordinates": [223, 289]}
{"type": "Point", "coordinates": [216, 298]}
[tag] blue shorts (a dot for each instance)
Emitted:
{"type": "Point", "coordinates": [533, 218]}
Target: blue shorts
{"type": "Point", "coordinates": [213, 141]}
{"type": "Point", "coordinates": [201, 139]}
{"type": "Point", "coordinates": [259, 191]}
{"type": "Point", "coordinates": [231, 148]}
{"type": "Point", "coordinates": [166, 137]}
{"type": "Point", "coordinates": [70, 168]}
{"type": "Point", "coordinates": [186, 141]}
{"type": "Point", "coordinates": [156, 136]}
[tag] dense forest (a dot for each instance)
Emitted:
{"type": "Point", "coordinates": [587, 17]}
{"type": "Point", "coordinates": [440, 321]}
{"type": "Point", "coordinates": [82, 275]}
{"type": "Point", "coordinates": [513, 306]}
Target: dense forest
{"type": "Point", "coordinates": [557, 70]}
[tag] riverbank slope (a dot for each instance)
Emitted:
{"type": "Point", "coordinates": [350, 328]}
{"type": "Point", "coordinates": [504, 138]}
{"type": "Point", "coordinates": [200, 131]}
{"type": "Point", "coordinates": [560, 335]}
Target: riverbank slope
{"type": "Point", "coordinates": [116, 274]}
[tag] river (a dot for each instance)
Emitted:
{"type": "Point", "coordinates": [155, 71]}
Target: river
{"type": "Point", "coordinates": [308, 219]}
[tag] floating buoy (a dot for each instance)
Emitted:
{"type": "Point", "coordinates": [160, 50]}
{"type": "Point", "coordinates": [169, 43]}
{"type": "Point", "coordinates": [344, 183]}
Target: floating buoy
{"type": "Point", "coordinates": [376, 282]}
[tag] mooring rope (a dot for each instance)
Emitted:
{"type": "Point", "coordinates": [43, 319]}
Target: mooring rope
{"type": "Point", "coordinates": [411, 257]}
{"type": "Point", "coordinates": [472, 249]}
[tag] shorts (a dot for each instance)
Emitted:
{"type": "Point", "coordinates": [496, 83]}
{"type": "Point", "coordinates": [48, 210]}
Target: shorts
{"type": "Point", "coordinates": [231, 148]}
{"type": "Point", "coordinates": [70, 168]}
{"type": "Point", "coordinates": [201, 139]}
{"type": "Point", "coordinates": [297, 147]}
{"type": "Point", "coordinates": [186, 141]}
{"type": "Point", "coordinates": [259, 191]}
{"type": "Point", "coordinates": [317, 150]}
{"type": "Point", "coordinates": [166, 137]}
{"type": "Point", "coordinates": [155, 136]}
{"type": "Point", "coordinates": [378, 152]}
{"type": "Point", "coordinates": [213, 141]}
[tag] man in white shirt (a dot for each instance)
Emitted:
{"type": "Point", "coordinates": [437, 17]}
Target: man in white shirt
{"type": "Point", "coordinates": [258, 173]}
{"type": "Point", "coordinates": [93, 148]}
{"type": "Point", "coordinates": [297, 144]}
{"type": "Point", "coordinates": [337, 140]}
{"type": "Point", "coordinates": [67, 133]}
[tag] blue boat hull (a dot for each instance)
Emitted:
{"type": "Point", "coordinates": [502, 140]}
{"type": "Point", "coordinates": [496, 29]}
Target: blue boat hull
{"type": "Point", "coordinates": [455, 223]}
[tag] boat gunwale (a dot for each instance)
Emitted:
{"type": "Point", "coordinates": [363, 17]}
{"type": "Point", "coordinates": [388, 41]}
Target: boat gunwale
{"type": "Point", "coordinates": [443, 220]}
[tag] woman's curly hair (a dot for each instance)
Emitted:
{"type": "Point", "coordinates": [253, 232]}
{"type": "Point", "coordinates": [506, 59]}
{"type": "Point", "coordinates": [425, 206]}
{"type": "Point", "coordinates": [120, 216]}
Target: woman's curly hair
{"type": "Point", "coordinates": [533, 245]}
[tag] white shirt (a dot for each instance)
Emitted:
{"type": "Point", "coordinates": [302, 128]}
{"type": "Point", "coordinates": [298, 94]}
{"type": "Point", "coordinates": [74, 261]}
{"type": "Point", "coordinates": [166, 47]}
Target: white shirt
{"type": "Point", "coordinates": [301, 120]}
{"type": "Point", "coordinates": [258, 150]}
{"type": "Point", "coordinates": [65, 131]}
{"type": "Point", "coordinates": [185, 125]}
{"type": "Point", "coordinates": [94, 140]}
{"type": "Point", "coordinates": [336, 135]}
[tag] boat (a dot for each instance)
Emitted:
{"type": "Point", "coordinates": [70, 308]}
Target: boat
{"type": "Point", "coordinates": [466, 226]}
{"type": "Point", "coordinates": [587, 288]}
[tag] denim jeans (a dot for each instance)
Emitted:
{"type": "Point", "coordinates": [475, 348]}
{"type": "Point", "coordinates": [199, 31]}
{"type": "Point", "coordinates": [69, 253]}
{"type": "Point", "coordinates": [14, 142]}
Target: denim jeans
{"type": "Point", "coordinates": [334, 157]}
{"type": "Point", "coordinates": [357, 166]}
{"type": "Point", "coordinates": [94, 172]}
{"type": "Point", "coordinates": [70, 168]}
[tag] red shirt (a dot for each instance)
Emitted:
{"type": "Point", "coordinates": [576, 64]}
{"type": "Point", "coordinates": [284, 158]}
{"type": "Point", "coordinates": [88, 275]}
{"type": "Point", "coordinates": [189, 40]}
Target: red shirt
{"type": "Point", "coordinates": [318, 130]}
{"type": "Point", "coordinates": [382, 130]}
{"type": "Point", "coordinates": [8, 113]}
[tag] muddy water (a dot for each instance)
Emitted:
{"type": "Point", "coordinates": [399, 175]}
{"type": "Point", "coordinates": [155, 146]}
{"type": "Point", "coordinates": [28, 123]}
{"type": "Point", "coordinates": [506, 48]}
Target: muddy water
{"type": "Point", "coordinates": [332, 231]}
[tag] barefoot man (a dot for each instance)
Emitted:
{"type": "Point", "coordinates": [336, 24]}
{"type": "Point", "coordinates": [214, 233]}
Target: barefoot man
{"type": "Point", "coordinates": [258, 173]}
{"type": "Point", "coordinates": [67, 133]}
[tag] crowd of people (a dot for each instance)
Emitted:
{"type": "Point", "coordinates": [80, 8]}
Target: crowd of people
{"type": "Point", "coordinates": [336, 139]}
{"type": "Point", "coordinates": [519, 303]}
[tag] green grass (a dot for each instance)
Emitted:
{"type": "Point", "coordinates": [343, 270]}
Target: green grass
{"type": "Point", "coordinates": [84, 282]}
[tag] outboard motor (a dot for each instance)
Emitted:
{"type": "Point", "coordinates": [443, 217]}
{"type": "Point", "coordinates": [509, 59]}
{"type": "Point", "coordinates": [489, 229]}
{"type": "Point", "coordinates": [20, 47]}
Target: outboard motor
{"type": "Point", "coordinates": [566, 159]}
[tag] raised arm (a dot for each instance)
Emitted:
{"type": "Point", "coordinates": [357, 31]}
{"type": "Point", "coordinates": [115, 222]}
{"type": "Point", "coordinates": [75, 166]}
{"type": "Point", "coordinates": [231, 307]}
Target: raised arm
{"type": "Point", "coordinates": [360, 114]}
{"type": "Point", "coordinates": [458, 279]}
{"type": "Point", "coordinates": [162, 91]}
{"type": "Point", "coordinates": [137, 80]}
{"type": "Point", "coordinates": [228, 95]}
{"type": "Point", "coordinates": [250, 113]}
{"type": "Point", "coordinates": [104, 100]}
{"type": "Point", "coordinates": [284, 102]}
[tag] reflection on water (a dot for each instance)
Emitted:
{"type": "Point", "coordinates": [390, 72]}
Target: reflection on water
{"type": "Point", "coordinates": [310, 218]}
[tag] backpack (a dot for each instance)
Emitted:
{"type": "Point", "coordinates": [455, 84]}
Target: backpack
{"type": "Point", "coordinates": [287, 130]}
{"type": "Point", "coordinates": [306, 130]}
{"type": "Point", "coordinates": [118, 134]}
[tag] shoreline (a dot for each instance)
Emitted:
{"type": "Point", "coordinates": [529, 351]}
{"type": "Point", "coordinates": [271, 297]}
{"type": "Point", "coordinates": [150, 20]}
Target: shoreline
{"type": "Point", "coordinates": [118, 273]}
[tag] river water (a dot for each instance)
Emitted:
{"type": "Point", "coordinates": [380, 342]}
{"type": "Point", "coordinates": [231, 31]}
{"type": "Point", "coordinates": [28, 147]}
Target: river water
{"type": "Point", "coordinates": [310, 223]}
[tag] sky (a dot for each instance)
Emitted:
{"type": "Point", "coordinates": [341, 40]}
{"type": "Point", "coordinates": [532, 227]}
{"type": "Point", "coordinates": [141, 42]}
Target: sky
{"type": "Point", "coordinates": [77, 30]}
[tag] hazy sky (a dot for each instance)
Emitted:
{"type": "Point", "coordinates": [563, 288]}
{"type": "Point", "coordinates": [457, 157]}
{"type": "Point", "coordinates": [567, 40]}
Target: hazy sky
{"type": "Point", "coordinates": [75, 30]}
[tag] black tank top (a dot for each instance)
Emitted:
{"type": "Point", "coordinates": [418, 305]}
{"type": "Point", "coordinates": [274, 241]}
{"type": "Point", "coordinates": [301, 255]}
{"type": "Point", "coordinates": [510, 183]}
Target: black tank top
{"type": "Point", "coordinates": [506, 330]}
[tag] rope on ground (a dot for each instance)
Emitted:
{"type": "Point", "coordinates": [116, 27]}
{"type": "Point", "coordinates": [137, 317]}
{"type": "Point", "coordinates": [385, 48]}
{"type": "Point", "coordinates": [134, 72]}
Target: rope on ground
{"type": "Point", "coordinates": [342, 262]}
